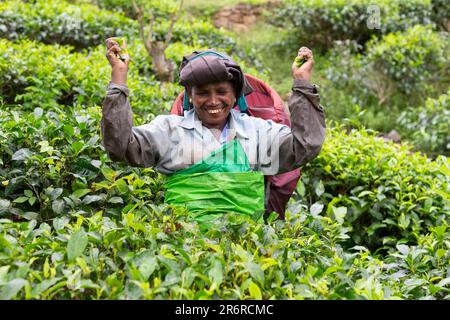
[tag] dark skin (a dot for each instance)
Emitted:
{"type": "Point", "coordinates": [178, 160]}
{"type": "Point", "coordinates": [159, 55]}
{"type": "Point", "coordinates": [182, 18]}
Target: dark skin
{"type": "Point", "coordinates": [221, 95]}
{"type": "Point", "coordinates": [213, 102]}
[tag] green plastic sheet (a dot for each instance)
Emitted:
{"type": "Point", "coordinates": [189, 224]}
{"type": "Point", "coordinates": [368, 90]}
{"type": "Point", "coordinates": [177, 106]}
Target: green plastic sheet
{"type": "Point", "coordinates": [220, 183]}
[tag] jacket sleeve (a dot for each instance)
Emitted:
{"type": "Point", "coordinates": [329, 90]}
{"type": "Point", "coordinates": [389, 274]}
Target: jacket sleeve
{"type": "Point", "coordinates": [134, 145]}
{"type": "Point", "coordinates": [303, 141]}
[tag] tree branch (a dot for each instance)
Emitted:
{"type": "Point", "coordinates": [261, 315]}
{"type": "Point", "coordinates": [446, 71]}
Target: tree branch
{"type": "Point", "coordinates": [147, 41]}
{"type": "Point", "coordinates": [172, 23]}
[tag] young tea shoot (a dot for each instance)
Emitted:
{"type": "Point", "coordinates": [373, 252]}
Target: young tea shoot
{"type": "Point", "coordinates": [123, 54]}
{"type": "Point", "coordinates": [299, 61]}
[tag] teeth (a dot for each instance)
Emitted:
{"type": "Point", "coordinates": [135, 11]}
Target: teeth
{"type": "Point", "coordinates": [214, 111]}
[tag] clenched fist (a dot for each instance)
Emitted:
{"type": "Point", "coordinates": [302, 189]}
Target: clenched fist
{"type": "Point", "coordinates": [305, 70]}
{"type": "Point", "coordinates": [119, 66]}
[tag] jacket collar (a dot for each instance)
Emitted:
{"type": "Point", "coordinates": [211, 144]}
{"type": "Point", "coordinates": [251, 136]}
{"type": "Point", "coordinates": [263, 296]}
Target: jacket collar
{"type": "Point", "coordinates": [191, 121]}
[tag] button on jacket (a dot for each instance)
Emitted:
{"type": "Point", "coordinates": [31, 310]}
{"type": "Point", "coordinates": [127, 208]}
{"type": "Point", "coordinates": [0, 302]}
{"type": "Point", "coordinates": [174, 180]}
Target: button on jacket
{"type": "Point", "coordinates": [170, 142]}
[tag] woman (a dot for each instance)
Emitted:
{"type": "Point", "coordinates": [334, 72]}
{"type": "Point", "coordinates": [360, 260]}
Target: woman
{"type": "Point", "coordinates": [214, 155]}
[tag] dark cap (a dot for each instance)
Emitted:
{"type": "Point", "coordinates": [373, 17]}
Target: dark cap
{"type": "Point", "coordinates": [209, 66]}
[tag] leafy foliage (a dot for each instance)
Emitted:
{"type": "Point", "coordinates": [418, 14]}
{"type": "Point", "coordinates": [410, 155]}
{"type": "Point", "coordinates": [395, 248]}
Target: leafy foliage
{"type": "Point", "coordinates": [388, 193]}
{"type": "Point", "coordinates": [56, 21]}
{"type": "Point", "coordinates": [440, 14]}
{"type": "Point", "coordinates": [398, 71]}
{"type": "Point", "coordinates": [158, 8]}
{"type": "Point", "coordinates": [415, 60]}
{"type": "Point", "coordinates": [68, 78]}
{"type": "Point", "coordinates": [155, 253]}
{"type": "Point", "coordinates": [53, 162]}
{"type": "Point", "coordinates": [412, 64]}
{"type": "Point", "coordinates": [84, 25]}
{"type": "Point", "coordinates": [357, 20]}
{"type": "Point", "coordinates": [428, 126]}
{"type": "Point", "coordinates": [370, 221]}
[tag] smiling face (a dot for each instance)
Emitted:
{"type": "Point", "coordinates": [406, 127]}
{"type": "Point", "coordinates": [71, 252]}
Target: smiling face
{"type": "Point", "coordinates": [213, 102]}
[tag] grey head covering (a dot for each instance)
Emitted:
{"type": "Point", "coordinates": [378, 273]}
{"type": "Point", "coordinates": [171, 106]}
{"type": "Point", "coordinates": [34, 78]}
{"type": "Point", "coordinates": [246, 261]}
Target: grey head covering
{"type": "Point", "coordinates": [210, 66]}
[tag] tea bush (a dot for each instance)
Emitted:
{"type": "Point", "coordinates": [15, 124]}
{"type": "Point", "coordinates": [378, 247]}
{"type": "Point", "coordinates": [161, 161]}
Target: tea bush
{"type": "Point", "coordinates": [55, 21]}
{"type": "Point", "coordinates": [349, 20]}
{"type": "Point", "coordinates": [67, 78]}
{"type": "Point", "coordinates": [370, 219]}
{"type": "Point", "coordinates": [155, 253]}
{"type": "Point", "coordinates": [158, 8]}
{"type": "Point", "coordinates": [398, 71]}
{"type": "Point", "coordinates": [81, 77]}
{"type": "Point", "coordinates": [388, 193]}
{"type": "Point", "coordinates": [440, 14]}
{"type": "Point", "coordinates": [428, 126]}
{"type": "Point", "coordinates": [82, 26]}
{"type": "Point", "coordinates": [346, 95]}
{"type": "Point", "coordinates": [52, 161]}
{"type": "Point", "coordinates": [415, 60]}
{"type": "Point", "coordinates": [74, 225]}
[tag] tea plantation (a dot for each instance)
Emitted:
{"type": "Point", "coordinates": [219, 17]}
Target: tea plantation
{"type": "Point", "coordinates": [369, 219]}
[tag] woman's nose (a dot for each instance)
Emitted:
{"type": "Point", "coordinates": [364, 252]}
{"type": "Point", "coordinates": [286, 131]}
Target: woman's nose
{"type": "Point", "coordinates": [213, 100]}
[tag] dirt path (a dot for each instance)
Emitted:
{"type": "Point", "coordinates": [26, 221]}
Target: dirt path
{"type": "Point", "coordinates": [242, 17]}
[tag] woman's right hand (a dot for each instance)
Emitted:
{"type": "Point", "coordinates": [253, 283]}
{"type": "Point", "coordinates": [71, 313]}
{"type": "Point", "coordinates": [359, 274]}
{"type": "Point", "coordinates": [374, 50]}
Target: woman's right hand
{"type": "Point", "coordinates": [119, 67]}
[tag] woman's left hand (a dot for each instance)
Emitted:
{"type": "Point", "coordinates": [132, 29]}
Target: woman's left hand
{"type": "Point", "coordinates": [305, 70]}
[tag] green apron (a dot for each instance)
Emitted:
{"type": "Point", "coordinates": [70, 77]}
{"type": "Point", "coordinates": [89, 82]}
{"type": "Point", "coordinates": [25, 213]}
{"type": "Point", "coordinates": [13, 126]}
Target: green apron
{"type": "Point", "coordinates": [221, 183]}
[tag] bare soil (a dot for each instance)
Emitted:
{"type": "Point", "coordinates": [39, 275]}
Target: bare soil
{"type": "Point", "coordinates": [242, 17]}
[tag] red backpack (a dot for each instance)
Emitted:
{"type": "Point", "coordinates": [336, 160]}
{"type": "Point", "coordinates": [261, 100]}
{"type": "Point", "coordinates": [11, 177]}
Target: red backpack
{"type": "Point", "coordinates": [265, 103]}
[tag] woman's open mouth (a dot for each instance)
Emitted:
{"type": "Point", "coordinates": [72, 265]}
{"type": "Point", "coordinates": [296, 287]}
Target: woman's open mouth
{"type": "Point", "coordinates": [215, 110]}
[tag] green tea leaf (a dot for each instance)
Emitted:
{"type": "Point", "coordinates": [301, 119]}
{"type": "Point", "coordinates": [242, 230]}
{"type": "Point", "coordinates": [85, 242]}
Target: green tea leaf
{"type": "Point", "coordinates": [316, 208]}
{"type": "Point", "coordinates": [69, 130]}
{"type": "Point", "coordinates": [56, 193]}
{"type": "Point", "coordinates": [77, 146]}
{"type": "Point", "coordinates": [116, 200]}
{"type": "Point", "coordinates": [32, 200]}
{"type": "Point", "coordinates": [340, 213]}
{"type": "Point", "coordinates": [147, 266]}
{"type": "Point", "coordinates": [403, 249]}
{"type": "Point", "coordinates": [301, 189]}
{"type": "Point", "coordinates": [60, 223]}
{"type": "Point", "coordinates": [90, 199]}
{"type": "Point", "coordinates": [81, 192]}
{"type": "Point", "coordinates": [20, 199]}
{"type": "Point", "coordinates": [216, 273]}
{"type": "Point", "coordinates": [28, 193]}
{"type": "Point", "coordinates": [403, 221]}
{"type": "Point", "coordinates": [22, 154]}
{"type": "Point", "coordinates": [122, 186]}
{"type": "Point", "coordinates": [320, 189]}
{"type": "Point", "coordinates": [11, 289]}
{"type": "Point", "coordinates": [4, 204]}
{"type": "Point", "coordinates": [256, 272]}
{"type": "Point", "coordinates": [444, 282]}
{"type": "Point", "coordinates": [254, 290]}
{"type": "Point", "coordinates": [110, 174]}
{"type": "Point", "coordinates": [58, 206]}
{"type": "Point", "coordinates": [38, 112]}
{"type": "Point", "coordinates": [4, 273]}
{"type": "Point", "coordinates": [440, 253]}
{"type": "Point", "coordinates": [77, 243]}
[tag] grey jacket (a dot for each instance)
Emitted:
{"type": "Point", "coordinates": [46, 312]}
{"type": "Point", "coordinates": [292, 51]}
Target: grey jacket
{"type": "Point", "coordinates": [170, 143]}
